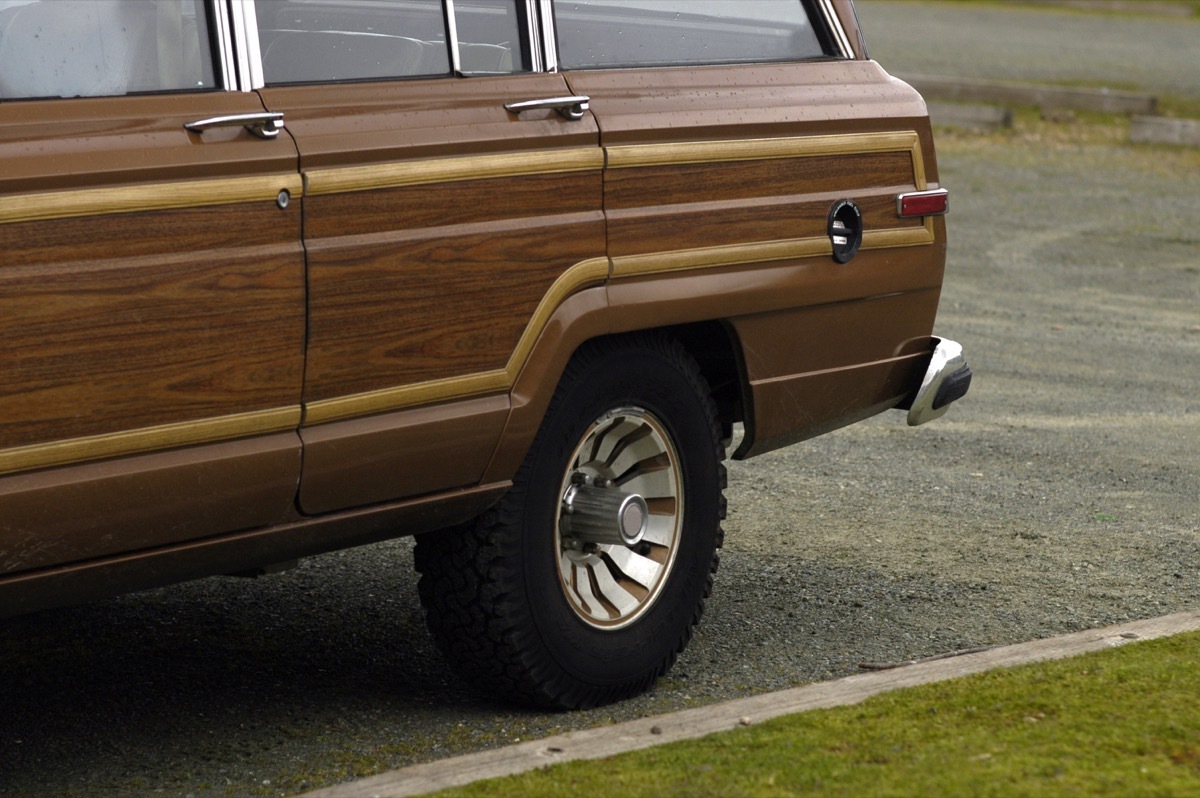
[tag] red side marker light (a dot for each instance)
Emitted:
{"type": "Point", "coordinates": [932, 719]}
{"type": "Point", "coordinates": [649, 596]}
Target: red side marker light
{"type": "Point", "coordinates": [923, 203]}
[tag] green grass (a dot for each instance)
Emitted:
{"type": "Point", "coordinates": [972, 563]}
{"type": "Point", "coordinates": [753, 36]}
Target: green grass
{"type": "Point", "coordinates": [1115, 723]}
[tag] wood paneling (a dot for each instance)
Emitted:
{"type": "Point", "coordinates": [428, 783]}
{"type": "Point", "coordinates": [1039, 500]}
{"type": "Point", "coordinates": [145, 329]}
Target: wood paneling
{"type": "Point", "coordinates": [448, 294]}
{"type": "Point", "coordinates": [714, 224]}
{"type": "Point", "coordinates": [450, 203]}
{"type": "Point", "coordinates": [739, 180]}
{"type": "Point", "coordinates": [122, 322]}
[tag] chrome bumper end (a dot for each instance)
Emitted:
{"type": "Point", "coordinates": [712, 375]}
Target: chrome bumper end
{"type": "Point", "coordinates": [946, 380]}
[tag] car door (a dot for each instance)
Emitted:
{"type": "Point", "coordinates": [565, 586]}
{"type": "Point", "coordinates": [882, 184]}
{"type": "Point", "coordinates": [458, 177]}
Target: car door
{"type": "Point", "coordinates": [731, 130]}
{"type": "Point", "coordinates": [151, 285]}
{"type": "Point", "coordinates": [440, 225]}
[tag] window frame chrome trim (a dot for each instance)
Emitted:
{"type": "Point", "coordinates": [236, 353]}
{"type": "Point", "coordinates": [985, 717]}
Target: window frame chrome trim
{"type": "Point", "coordinates": [452, 38]}
{"type": "Point", "coordinates": [834, 23]}
{"type": "Point", "coordinates": [534, 35]}
{"type": "Point", "coordinates": [549, 35]}
{"type": "Point", "coordinates": [245, 25]}
{"type": "Point", "coordinates": [237, 34]}
{"type": "Point", "coordinates": [222, 13]}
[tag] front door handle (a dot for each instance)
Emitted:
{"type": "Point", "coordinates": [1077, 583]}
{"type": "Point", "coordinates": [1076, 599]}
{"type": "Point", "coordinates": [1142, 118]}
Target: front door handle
{"type": "Point", "coordinates": [265, 125]}
{"type": "Point", "coordinates": [570, 107]}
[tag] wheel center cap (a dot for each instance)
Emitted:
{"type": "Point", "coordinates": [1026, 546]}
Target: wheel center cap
{"type": "Point", "coordinates": [604, 515]}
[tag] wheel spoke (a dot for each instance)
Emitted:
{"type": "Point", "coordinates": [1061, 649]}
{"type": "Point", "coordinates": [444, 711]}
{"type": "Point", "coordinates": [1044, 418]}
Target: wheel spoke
{"type": "Point", "coordinates": [583, 588]}
{"type": "Point", "coordinates": [660, 529]}
{"type": "Point", "coordinates": [634, 566]}
{"type": "Point", "coordinates": [634, 451]}
{"type": "Point", "coordinates": [610, 438]}
{"type": "Point", "coordinates": [651, 484]}
{"type": "Point", "coordinates": [621, 599]}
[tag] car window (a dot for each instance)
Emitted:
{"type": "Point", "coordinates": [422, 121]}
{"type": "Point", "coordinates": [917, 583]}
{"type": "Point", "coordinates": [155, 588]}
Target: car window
{"type": "Point", "coordinates": [97, 48]}
{"type": "Point", "coordinates": [492, 36]}
{"type": "Point", "coordinates": [321, 41]}
{"type": "Point", "coordinates": [633, 33]}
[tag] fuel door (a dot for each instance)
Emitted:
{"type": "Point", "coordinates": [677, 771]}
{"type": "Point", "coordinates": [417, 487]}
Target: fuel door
{"type": "Point", "coordinates": [845, 230]}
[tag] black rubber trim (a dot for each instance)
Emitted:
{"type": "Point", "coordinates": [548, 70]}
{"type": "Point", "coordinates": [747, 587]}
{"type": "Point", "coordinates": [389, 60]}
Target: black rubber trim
{"type": "Point", "coordinates": [954, 388]}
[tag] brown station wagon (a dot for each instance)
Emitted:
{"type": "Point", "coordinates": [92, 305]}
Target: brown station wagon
{"type": "Point", "coordinates": [283, 276]}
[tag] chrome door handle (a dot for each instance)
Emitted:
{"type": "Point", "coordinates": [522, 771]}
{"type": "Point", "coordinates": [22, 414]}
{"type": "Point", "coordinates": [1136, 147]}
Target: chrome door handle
{"type": "Point", "coordinates": [264, 125]}
{"type": "Point", "coordinates": [570, 107]}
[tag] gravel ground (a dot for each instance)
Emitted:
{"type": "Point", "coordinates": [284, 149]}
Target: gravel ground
{"type": "Point", "coordinates": [1061, 494]}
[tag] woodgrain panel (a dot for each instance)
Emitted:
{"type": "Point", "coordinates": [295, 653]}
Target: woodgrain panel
{"type": "Point", "coordinates": [467, 202]}
{"type": "Point", "coordinates": [157, 323]}
{"type": "Point", "coordinates": [431, 303]}
{"type": "Point", "coordinates": [665, 184]}
{"type": "Point", "coordinates": [723, 224]}
{"type": "Point", "coordinates": [131, 236]}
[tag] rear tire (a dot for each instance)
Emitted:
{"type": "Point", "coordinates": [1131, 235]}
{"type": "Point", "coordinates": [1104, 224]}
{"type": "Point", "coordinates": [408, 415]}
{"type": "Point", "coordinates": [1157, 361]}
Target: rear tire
{"type": "Point", "coordinates": [559, 595]}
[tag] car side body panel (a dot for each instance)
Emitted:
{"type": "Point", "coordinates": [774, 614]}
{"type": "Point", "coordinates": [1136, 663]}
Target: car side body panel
{"type": "Point", "coordinates": [225, 350]}
{"type": "Point", "coordinates": [439, 227]}
{"type": "Point", "coordinates": [151, 298]}
{"type": "Point", "coordinates": [732, 171]}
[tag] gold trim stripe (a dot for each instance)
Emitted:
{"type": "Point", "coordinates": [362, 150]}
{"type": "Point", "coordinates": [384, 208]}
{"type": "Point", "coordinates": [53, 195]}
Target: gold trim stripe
{"type": "Point", "coordinates": [761, 252]}
{"type": "Point", "coordinates": [593, 271]}
{"type": "Point", "coordinates": [900, 237]}
{"type": "Point", "coordinates": [149, 439]}
{"type": "Point", "coordinates": [153, 197]}
{"type": "Point", "coordinates": [716, 257]}
{"type": "Point", "coordinates": [447, 170]}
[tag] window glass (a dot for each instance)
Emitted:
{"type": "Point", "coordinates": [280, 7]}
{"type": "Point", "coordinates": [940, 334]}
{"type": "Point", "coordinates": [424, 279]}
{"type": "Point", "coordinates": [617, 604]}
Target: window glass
{"type": "Point", "coordinates": [492, 36]}
{"type": "Point", "coordinates": [322, 41]}
{"type": "Point", "coordinates": [632, 33]}
{"type": "Point", "coordinates": [97, 48]}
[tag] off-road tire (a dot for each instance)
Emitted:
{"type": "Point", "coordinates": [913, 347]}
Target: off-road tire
{"type": "Point", "coordinates": [494, 592]}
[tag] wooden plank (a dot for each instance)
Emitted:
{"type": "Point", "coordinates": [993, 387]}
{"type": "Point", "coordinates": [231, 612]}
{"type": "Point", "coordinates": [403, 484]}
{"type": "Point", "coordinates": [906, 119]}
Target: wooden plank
{"type": "Point", "coordinates": [694, 723]}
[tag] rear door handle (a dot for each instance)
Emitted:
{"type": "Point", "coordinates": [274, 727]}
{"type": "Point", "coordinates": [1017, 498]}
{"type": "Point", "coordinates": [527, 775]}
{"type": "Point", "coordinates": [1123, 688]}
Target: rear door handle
{"type": "Point", "coordinates": [570, 107]}
{"type": "Point", "coordinates": [264, 125]}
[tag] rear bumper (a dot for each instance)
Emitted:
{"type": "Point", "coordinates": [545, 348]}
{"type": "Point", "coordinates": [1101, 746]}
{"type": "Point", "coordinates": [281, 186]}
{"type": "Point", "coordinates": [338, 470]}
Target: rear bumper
{"type": "Point", "coordinates": [946, 380]}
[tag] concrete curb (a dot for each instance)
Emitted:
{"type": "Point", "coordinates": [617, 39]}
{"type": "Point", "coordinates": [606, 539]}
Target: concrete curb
{"type": "Point", "coordinates": [1146, 7]}
{"type": "Point", "coordinates": [992, 91]}
{"type": "Point", "coordinates": [971, 117]}
{"type": "Point", "coordinates": [695, 723]}
{"type": "Point", "coordinates": [1145, 129]}
{"type": "Point", "coordinates": [1163, 130]}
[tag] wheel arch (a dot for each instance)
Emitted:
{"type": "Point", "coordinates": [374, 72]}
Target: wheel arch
{"type": "Point", "coordinates": [586, 317]}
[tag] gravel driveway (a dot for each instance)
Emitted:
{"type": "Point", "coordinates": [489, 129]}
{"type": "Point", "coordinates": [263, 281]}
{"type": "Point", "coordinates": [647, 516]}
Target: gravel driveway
{"type": "Point", "coordinates": [1061, 494]}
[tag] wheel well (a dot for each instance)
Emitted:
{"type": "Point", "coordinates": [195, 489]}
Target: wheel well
{"type": "Point", "coordinates": [713, 345]}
